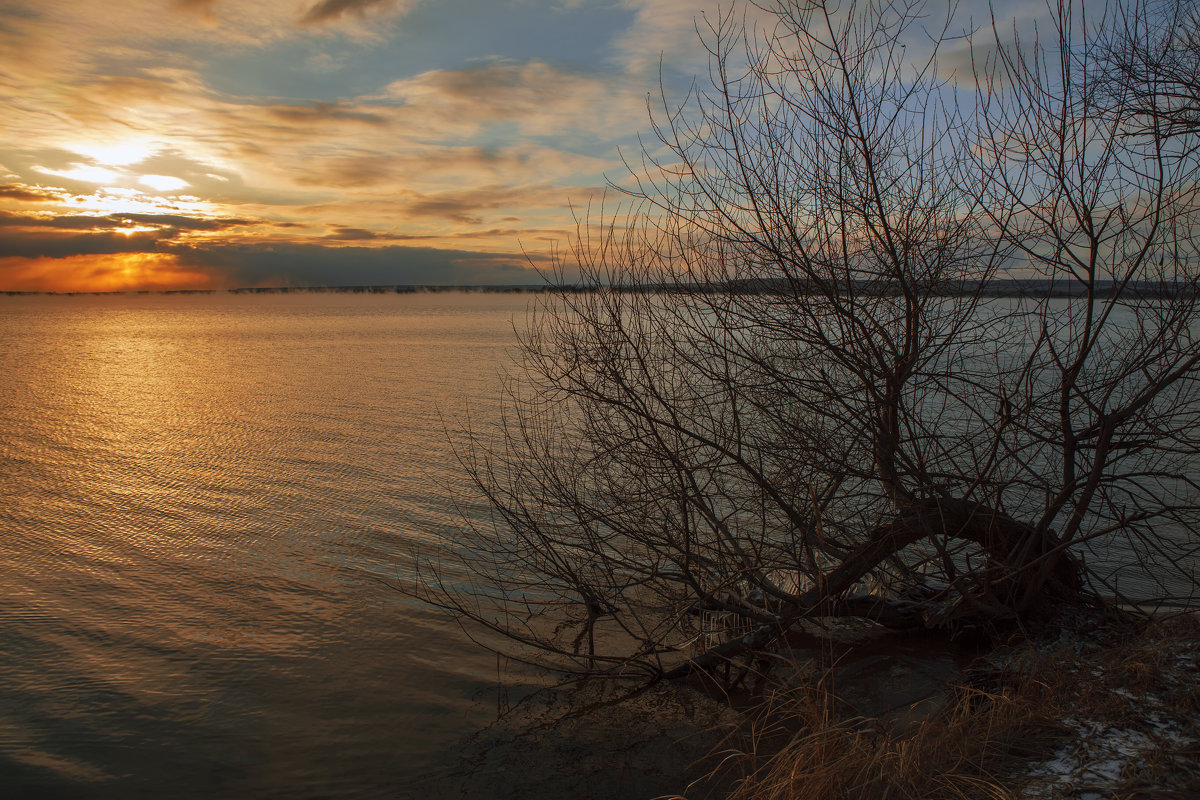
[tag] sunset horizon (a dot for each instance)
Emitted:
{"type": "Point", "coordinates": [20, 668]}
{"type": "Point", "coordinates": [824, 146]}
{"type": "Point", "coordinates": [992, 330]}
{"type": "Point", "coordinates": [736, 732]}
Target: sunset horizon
{"type": "Point", "coordinates": [198, 144]}
{"type": "Point", "coordinates": [603, 399]}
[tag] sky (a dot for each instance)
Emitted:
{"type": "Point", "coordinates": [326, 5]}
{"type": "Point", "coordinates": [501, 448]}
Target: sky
{"type": "Point", "coordinates": [198, 144]}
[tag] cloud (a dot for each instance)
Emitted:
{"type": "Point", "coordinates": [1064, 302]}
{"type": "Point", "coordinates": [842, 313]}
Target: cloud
{"type": "Point", "coordinates": [60, 39]}
{"type": "Point", "coordinates": [108, 262]}
{"type": "Point", "coordinates": [665, 32]}
{"type": "Point", "coordinates": [327, 10]}
{"type": "Point", "coordinates": [465, 205]}
{"type": "Point", "coordinates": [66, 236]}
{"type": "Point", "coordinates": [316, 264]}
{"type": "Point", "coordinates": [86, 222]}
{"type": "Point", "coordinates": [163, 183]}
{"type": "Point", "coordinates": [352, 234]}
{"type": "Point", "coordinates": [82, 172]}
{"type": "Point", "coordinates": [104, 272]}
{"type": "Point", "coordinates": [978, 61]}
{"type": "Point", "coordinates": [9, 220]}
{"type": "Point", "coordinates": [56, 245]}
{"type": "Point", "coordinates": [27, 194]}
{"type": "Point", "coordinates": [187, 223]}
{"type": "Point", "coordinates": [352, 170]}
{"type": "Point", "coordinates": [324, 63]}
{"type": "Point", "coordinates": [437, 166]}
{"type": "Point", "coordinates": [541, 99]}
{"type": "Point", "coordinates": [113, 98]}
{"type": "Point", "coordinates": [324, 112]}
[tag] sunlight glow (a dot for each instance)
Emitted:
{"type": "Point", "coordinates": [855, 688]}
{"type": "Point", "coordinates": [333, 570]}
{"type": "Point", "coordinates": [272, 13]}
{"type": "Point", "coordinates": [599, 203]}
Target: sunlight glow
{"type": "Point", "coordinates": [131, 201]}
{"type": "Point", "coordinates": [83, 173]}
{"type": "Point", "coordinates": [117, 272]}
{"type": "Point", "coordinates": [117, 154]}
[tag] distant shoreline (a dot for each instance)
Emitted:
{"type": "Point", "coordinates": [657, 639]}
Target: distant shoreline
{"type": "Point", "coordinates": [388, 289]}
{"type": "Point", "coordinates": [998, 288]}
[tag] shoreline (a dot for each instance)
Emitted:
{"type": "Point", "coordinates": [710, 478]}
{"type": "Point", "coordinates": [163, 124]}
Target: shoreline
{"type": "Point", "coordinates": [1090, 706]}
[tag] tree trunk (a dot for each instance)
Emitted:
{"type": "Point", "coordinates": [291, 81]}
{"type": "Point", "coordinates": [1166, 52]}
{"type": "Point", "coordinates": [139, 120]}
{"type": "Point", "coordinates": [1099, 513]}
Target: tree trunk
{"type": "Point", "coordinates": [1026, 574]}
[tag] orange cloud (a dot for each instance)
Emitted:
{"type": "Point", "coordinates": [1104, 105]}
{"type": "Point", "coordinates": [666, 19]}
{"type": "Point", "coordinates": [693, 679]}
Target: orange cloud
{"type": "Point", "coordinates": [28, 194]}
{"type": "Point", "coordinates": [117, 272]}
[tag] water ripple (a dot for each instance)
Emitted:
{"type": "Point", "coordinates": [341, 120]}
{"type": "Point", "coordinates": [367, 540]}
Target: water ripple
{"type": "Point", "coordinates": [199, 499]}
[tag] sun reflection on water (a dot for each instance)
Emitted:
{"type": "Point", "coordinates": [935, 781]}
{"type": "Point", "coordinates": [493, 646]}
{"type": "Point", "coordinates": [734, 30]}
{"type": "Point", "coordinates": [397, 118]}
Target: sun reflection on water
{"type": "Point", "coordinates": [204, 500]}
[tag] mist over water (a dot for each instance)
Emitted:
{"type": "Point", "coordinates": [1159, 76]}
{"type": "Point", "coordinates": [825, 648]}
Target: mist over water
{"type": "Point", "coordinates": [202, 502]}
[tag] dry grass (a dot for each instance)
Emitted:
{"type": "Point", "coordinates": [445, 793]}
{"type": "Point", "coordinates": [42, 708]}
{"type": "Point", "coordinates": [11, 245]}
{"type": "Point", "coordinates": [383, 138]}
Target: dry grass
{"type": "Point", "coordinates": [956, 754]}
{"type": "Point", "coordinates": [1026, 708]}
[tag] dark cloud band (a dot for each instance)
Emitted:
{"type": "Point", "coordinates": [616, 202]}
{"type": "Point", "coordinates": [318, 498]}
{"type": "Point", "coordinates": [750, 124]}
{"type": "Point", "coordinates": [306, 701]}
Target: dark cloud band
{"type": "Point", "coordinates": [328, 10]}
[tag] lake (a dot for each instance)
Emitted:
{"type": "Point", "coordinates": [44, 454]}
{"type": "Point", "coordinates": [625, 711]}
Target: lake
{"type": "Point", "coordinates": [207, 504]}
{"type": "Point", "coordinates": [206, 501]}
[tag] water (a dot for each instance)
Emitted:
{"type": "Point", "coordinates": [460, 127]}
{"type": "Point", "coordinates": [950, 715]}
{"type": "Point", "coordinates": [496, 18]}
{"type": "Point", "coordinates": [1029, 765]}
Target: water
{"type": "Point", "coordinates": [203, 501]}
{"type": "Point", "coordinates": [206, 503]}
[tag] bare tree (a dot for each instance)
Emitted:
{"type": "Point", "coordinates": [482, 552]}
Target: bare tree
{"type": "Point", "coordinates": [795, 391]}
{"type": "Point", "coordinates": [1150, 65]}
